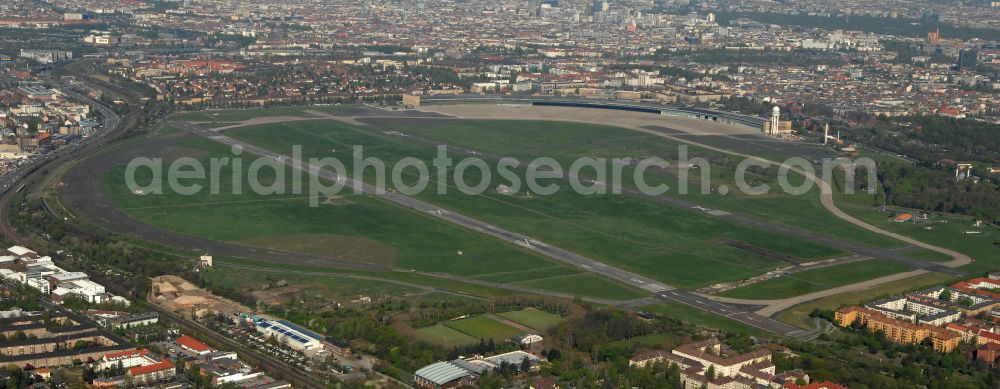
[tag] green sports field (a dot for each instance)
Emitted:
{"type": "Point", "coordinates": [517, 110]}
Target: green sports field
{"type": "Point", "coordinates": [445, 336]}
{"type": "Point", "coordinates": [484, 327]}
{"type": "Point", "coordinates": [536, 319]}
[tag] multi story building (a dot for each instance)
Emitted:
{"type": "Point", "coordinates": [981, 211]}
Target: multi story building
{"type": "Point", "coordinates": [897, 330]}
{"type": "Point", "coordinates": [126, 359]}
{"type": "Point", "coordinates": [695, 360]}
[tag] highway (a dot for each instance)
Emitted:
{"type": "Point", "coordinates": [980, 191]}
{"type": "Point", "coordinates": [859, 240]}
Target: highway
{"type": "Point", "coordinates": [659, 289]}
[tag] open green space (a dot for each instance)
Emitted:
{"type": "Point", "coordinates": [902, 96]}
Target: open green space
{"type": "Point", "coordinates": [238, 115]}
{"type": "Point", "coordinates": [684, 313]}
{"type": "Point", "coordinates": [817, 279]}
{"type": "Point", "coordinates": [584, 284]}
{"type": "Point", "coordinates": [444, 336]}
{"type": "Point", "coordinates": [799, 314]}
{"type": "Point", "coordinates": [566, 142]}
{"type": "Point", "coordinates": [276, 288]}
{"type": "Point", "coordinates": [365, 230]}
{"type": "Point", "coordinates": [657, 341]}
{"type": "Point", "coordinates": [950, 231]}
{"type": "Point", "coordinates": [534, 318]}
{"type": "Point", "coordinates": [484, 327]}
{"type": "Point", "coordinates": [631, 232]}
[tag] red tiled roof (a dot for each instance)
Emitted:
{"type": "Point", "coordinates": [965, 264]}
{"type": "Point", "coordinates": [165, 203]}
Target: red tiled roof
{"type": "Point", "coordinates": [140, 370]}
{"type": "Point", "coordinates": [989, 336]}
{"type": "Point", "coordinates": [129, 353]}
{"type": "Point", "coordinates": [192, 343]}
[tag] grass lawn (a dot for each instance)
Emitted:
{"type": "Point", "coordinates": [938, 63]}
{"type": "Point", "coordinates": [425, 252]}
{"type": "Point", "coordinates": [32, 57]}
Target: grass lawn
{"type": "Point", "coordinates": [484, 327]}
{"type": "Point", "coordinates": [657, 341]}
{"type": "Point", "coordinates": [928, 255]}
{"type": "Point", "coordinates": [817, 279]}
{"type": "Point", "coordinates": [684, 313]}
{"type": "Point", "coordinates": [444, 336]}
{"type": "Point", "coordinates": [630, 232]}
{"type": "Point", "coordinates": [944, 230]}
{"type": "Point", "coordinates": [798, 314]}
{"type": "Point", "coordinates": [610, 291]}
{"type": "Point", "coordinates": [357, 227]}
{"type": "Point", "coordinates": [238, 115]}
{"type": "Point", "coordinates": [534, 318]}
{"type": "Point", "coordinates": [333, 286]}
{"type": "Point", "coordinates": [568, 141]}
{"type": "Point", "coordinates": [584, 284]}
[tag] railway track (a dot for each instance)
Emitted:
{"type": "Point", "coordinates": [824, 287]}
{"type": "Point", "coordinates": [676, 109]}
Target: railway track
{"type": "Point", "coordinates": [267, 363]}
{"type": "Point", "coordinates": [34, 173]}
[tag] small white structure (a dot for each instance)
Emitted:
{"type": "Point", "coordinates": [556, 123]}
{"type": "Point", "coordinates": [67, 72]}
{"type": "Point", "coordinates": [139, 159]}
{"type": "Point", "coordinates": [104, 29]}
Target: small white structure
{"type": "Point", "coordinates": [527, 340]}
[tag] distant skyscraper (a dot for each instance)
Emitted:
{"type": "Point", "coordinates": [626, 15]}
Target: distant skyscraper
{"type": "Point", "coordinates": [967, 59]}
{"type": "Point", "coordinates": [533, 7]}
{"type": "Point", "coordinates": [599, 6]}
{"type": "Point", "coordinates": [933, 36]}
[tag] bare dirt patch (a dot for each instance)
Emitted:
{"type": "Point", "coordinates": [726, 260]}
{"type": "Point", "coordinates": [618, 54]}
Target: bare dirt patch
{"type": "Point", "coordinates": [178, 295]}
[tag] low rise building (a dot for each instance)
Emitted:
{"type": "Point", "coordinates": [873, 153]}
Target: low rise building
{"type": "Point", "coordinates": [156, 372]}
{"type": "Point", "coordinates": [290, 334]}
{"type": "Point", "coordinates": [737, 371]}
{"type": "Point", "coordinates": [464, 372]}
{"type": "Point", "coordinates": [193, 345]}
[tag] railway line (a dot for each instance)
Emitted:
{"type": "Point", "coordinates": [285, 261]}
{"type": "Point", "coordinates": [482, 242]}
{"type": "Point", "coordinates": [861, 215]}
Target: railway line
{"type": "Point", "coordinates": [116, 129]}
{"type": "Point", "coordinates": [288, 373]}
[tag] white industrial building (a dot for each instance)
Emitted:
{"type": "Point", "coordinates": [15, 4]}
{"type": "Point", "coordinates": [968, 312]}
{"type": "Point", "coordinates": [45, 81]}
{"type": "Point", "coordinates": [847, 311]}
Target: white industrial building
{"type": "Point", "coordinates": [290, 334]}
{"type": "Point", "coordinates": [42, 274]}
